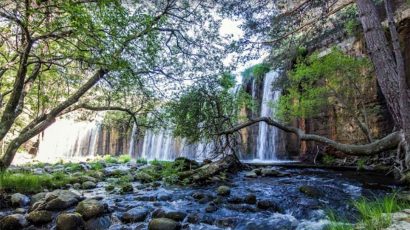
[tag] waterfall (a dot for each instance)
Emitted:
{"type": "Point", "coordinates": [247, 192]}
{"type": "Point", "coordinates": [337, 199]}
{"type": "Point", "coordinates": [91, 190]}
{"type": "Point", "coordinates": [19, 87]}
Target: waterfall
{"type": "Point", "coordinates": [69, 140]}
{"type": "Point", "coordinates": [131, 150]}
{"type": "Point", "coordinates": [161, 145]}
{"type": "Point", "coordinates": [268, 137]}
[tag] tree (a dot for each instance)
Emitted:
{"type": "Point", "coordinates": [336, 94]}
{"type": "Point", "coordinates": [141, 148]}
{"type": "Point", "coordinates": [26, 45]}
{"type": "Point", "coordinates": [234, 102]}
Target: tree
{"type": "Point", "coordinates": [61, 56]}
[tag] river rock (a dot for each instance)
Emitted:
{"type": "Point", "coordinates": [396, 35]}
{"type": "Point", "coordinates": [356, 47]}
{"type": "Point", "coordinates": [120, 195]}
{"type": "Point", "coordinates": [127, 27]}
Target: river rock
{"type": "Point", "coordinates": [19, 200]}
{"type": "Point", "coordinates": [269, 172]}
{"type": "Point", "coordinates": [267, 204]}
{"type": "Point", "coordinates": [88, 185]}
{"type": "Point", "coordinates": [137, 214]}
{"type": "Point", "coordinates": [223, 190]}
{"type": "Point", "coordinates": [175, 215]}
{"type": "Point", "coordinates": [13, 222]}
{"type": "Point", "coordinates": [193, 218]}
{"type": "Point", "coordinates": [90, 208]}
{"type": "Point", "coordinates": [57, 200]}
{"type": "Point", "coordinates": [164, 196]}
{"type": "Point", "coordinates": [70, 221]}
{"type": "Point", "coordinates": [250, 199]}
{"type": "Point", "coordinates": [127, 188]}
{"type": "Point", "coordinates": [251, 174]}
{"type": "Point", "coordinates": [40, 217]}
{"type": "Point", "coordinates": [163, 224]}
{"type": "Point", "coordinates": [310, 191]}
{"type": "Point", "coordinates": [235, 200]}
{"type": "Point", "coordinates": [38, 197]}
{"type": "Point", "coordinates": [227, 222]}
{"type": "Point", "coordinates": [211, 207]}
{"type": "Point", "coordinates": [99, 223]}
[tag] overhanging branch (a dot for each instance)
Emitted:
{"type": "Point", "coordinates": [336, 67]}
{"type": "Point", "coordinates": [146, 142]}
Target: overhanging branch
{"type": "Point", "coordinates": [389, 142]}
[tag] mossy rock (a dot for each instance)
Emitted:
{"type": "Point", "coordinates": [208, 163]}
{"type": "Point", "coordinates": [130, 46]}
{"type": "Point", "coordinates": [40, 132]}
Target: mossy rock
{"type": "Point", "coordinates": [70, 221]}
{"type": "Point", "coordinates": [127, 188]}
{"type": "Point", "coordinates": [310, 191]}
{"type": "Point", "coordinates": [223, 190]}
{"type": "Point", "coordinates": [90, 208]}
{"type": "Point", "coordinates": [163, 224]}
{"type": "Point", "coordinates": [40, 217]}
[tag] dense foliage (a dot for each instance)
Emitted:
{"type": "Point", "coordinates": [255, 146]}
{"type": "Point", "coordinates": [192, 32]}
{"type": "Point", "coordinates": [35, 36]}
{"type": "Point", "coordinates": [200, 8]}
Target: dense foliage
{"type": "Point", "coordinates": [205, 110]}
{"type": "Point", "coordinates": [334, 79]}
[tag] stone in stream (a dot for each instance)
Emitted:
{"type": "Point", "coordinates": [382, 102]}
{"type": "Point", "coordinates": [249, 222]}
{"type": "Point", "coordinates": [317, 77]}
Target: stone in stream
{"type": "Point", "coordinates": [57, 200]}
{"type": "Point", "coordinates": [193, 218]}
{"type": "Point", "coordinates": [163, 224]}
{"type": "Point", "coordinates": [90, 208]}
{"type": "Point", "coordinates": [269, 172]}
{"type": "Point", "coordinates": [70, 221]}
{"type": "Point", "coordinates": [251, 174]}
{"type": "Point", "coordinates": [170, 214]}
{"type": "Point", "coordinates": [19, 200]}
{"type": "Point", "coordinates": [223, 190]}
{"type": "Point", "coordinates": [137, 214]}
{"type": "Point", "coordinates": [212, 207]}
{"type": "Point", "coordinates": [40, 217]}
{"type": "Point", "coordinates": [99, 223]}
{"type": "Point", "coordinates": [13, 222]}
{"type": "Point", "coordinates": [267, 205]}
{"type": "Point", "coordinates": [310, 191]}
{"type": "Point", "coordinates": [250, 199]}
{"type": "Point", "coordinates": [88, 185]}
{"type": "Point", "coordinates": [126, 188]}
{"type": "Point", "coordinates": [226, 222]}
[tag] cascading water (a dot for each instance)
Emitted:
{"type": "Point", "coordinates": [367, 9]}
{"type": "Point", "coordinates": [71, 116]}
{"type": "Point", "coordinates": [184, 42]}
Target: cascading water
{"type": "Point", "coordinates": [161, 145]}
{"type": "Point", "coordinates": [133, 139]}
{"type": "Point", "coordinates": [268, 137]}
{"type": "Point", "coordinates": [69, 140]}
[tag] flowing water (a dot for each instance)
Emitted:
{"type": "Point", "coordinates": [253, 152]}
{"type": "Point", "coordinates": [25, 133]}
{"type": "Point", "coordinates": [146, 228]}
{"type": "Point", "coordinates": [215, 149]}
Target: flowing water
{"type": "Point", "coordinates": [268, 136]}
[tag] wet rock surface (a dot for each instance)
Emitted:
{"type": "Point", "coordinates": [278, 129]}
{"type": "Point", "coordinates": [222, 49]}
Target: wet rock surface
{"type": "Point", "coordinates": [272, 198]}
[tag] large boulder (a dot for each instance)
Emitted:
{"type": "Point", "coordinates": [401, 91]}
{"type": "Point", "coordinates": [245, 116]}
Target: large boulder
{"type": "Point", "coordinates": [40, 217]}
{"type": "Point", "coordinates": [90, 208]}
{"type": "Point", "coordinates": [137, 214]}
{"type": "Point", "coordinates": [57, 200]}
{"type": "Point", "coordinates": [19, 200]}
{"type": "Point", "coordinates": [13, 222]}
{"type": "Point", "coordinates": [163, 224]}
{"type": "Point", "coordinates": [70, 221]}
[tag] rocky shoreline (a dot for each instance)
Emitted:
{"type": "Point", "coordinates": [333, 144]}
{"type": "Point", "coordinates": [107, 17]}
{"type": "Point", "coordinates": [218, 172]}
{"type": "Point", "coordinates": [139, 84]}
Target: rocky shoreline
{"type": "Point", "coordinates": [130, 196]}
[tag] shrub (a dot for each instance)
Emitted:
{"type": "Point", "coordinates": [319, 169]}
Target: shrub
{"type": "Point", "coordinates": [96, 166]}
{"type": "Point", "coordinates": [110, 159]}
{"type": "Point", "coordinates": [124, 159]}
{"type": "Point", "coordinates": [142, 161]}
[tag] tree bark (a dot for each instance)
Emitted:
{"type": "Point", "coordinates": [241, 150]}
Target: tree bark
{"type": "Point", "coordinates": [381, 56]}
{"type": "Point", "coordinates": [389, 142]}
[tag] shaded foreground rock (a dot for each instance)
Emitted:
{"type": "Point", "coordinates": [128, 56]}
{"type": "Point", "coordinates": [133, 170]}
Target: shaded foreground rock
{"type": "Point", "coordinates": [137, 214]}
{"type": "Point", "coordinates": [13, 222]}
{"type": "Point", "coordinates": [70, 221]}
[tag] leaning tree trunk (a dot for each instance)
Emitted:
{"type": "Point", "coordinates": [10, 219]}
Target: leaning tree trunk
{"type": "Point", "coordinates": [389, 66]}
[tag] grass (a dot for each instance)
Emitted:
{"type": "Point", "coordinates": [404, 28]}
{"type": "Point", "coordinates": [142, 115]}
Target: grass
{"type": "Point", "coordinates": [142, 161]}
{"type": "Point", "coordinates": [373, 214]}
{"type": "Point", "coordinates": [25, 182]}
